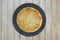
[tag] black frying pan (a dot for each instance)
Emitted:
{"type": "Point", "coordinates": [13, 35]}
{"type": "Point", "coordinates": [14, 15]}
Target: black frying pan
{"type": "Point", "coordinates": [36, 7]}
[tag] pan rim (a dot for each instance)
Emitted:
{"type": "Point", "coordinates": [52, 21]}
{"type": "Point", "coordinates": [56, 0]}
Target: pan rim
{"type": "Point", "coordinates": [34, 6]}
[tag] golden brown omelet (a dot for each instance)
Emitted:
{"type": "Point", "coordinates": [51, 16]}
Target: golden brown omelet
{"type": "Point", "coordinates": [29, 19]}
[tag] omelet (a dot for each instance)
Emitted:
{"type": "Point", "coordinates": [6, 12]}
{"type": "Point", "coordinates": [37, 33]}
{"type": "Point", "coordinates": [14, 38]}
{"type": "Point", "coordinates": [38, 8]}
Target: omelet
{"type": "Point", "coordinates": [29, 19]}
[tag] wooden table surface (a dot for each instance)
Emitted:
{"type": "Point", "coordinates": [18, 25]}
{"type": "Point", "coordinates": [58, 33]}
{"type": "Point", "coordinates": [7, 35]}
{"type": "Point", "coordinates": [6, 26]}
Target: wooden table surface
{"type": "Point", "coordinates": [51, 30]}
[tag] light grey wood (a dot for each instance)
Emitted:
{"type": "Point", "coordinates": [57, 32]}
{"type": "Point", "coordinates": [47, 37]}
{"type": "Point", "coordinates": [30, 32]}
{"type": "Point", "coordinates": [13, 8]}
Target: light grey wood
{"type": "Point", "coordinates": [29, 38]}
{"type": "Point", "coordinates": [10, 35]}
{"type": "Point", "coordinates": [23, 1]}
{"type": "Point", "coordinates": [0, 22]}
{"type": "Point", "coordinates": [37, 3]}
{"type": "Point", "coordinates": [58, 19]}
{"type": "Point", "coordinates": [29, 1]}
{"type": "Point", "coordinates": [51, 30]}
{"type": "Point", "coordinates": [22, 36]}
{"type": "Point", "coordinates": [41, 35]}
{"type": "Point", "coordinates": [4, 20]}
{"type": "Point", "coordinates": [35, 37]}
{"type": "Point", "coordinates": [16, 4]}
{"type": "Point", "coordinates": [54, 20]}
{"type": "Point", "coordinates": [48, 20]}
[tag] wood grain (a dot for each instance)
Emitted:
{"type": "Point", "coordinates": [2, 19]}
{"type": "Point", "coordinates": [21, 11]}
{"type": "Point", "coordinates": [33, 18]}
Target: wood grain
{"type": "Point", "coordinates": [4, 19]}
{"type": "Point", "coordinates": [58, 19]}
{"type": "Point", "coordinates": [0, 20]}
{"type": "Point", "coordinates": [10, 27]}
{"type": "Point", "coordinates": [29, 1]}
{"type": "Point", "coordinates": [16, 4]}
{"type": "Point", "coordinates": [41, 36]}
{"type": "Point", "coordinates": [51, 30]}
{"type": "Point", "coordinates": [54, 20]}
{"type": "Point", "coordinates": [48, 20]}
{"type": "Point", "coordinates": [22, 36]}
{"type": "Point", "coordinates": [37, 3]}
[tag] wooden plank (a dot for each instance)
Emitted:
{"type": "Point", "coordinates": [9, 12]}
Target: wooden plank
{"type": "Point", "coordinates": [54, 20]}
{"type": "Point", "coordinates": [41, 36]}
{"type": "Point", "coordinates": [29, 1]}
{"type": "Point", "coordinates": [22, 36]}
{"type": "Point", "coordinates": [51, 31]}
{"type": "Point", "coordinates": [48, 20]}
{"type": "Point", "coordinates": [4, 20]}
{"type": "Point", "coordinates": [29, 38]}
{"type": "Point", "coordinates": [16, 4]}
{"type": "Point", "coordinates": [58, 19]}
{"type": "Point", "coordinates": [37, 3]}
{"type": "Point", "coordinates": [0, 22]}
{"type": "Point", "coordinates": [35, 37]}
{"type": "Point", "coordinates": [9, 16]}
{"type": "Point", "coordinates": [23, 1]}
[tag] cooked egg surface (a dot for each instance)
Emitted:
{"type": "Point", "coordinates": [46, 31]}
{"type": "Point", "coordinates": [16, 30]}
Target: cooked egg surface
{"type": "Point", "coordinates": [29, 19]}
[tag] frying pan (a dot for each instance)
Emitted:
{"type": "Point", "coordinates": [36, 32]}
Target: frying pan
{"type": "Point", "coordinates": [36, 7]}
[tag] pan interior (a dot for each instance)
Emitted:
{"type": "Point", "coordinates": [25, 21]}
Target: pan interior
{"type": "Point", "coordinates": [29, 19]}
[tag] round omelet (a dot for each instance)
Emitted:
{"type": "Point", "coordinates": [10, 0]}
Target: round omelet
{"type": "Point", "coordinates": [29, 19]}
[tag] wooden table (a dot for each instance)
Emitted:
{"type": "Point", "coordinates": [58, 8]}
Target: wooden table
{"type": "Point", "coordinates": [51, 30]}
